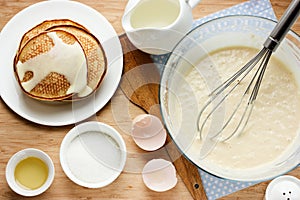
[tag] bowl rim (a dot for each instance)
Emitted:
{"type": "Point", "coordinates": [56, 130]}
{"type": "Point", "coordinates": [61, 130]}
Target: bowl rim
{"type": "Point", "coordinates": [223, 17]}
{"type": "Point", "coordinates": [18, 157]}
{"type": "Point", "coordinates": [160, 93]}
{"type": "Point", "coordinates": [81, 129]}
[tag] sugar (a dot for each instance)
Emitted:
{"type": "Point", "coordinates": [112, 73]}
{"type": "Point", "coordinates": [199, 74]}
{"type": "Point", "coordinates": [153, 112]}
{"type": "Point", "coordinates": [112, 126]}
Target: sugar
{"type": "Point", "coordinates": [94, 157]}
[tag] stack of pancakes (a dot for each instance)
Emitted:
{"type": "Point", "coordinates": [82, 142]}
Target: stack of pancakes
{"type": "Point", "coordinates": [53, 85]}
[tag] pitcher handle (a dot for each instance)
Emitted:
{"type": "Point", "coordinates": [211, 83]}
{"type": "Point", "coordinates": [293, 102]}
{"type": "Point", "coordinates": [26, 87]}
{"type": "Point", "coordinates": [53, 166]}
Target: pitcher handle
{"type": "Point", "coordinates": [193, 3]}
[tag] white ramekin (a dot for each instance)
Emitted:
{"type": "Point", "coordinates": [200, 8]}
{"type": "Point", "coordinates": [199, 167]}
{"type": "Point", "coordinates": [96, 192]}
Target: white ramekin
{"type": "Point", "coordinates": [21, 155]}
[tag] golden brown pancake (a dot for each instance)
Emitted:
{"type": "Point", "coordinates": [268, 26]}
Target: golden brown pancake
{"type": "Point", "coordinates": [44, 26]}
{"type": "Point", "coordinates": [54, 86]}
{"type": "Point", "coordinates": [96, 60]}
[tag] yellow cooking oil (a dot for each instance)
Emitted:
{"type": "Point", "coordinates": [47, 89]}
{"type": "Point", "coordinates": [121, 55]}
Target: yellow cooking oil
{"type": "Point", "coordinates": [31, 173]}
{"type": "Point", "coordinates": [154, 13]}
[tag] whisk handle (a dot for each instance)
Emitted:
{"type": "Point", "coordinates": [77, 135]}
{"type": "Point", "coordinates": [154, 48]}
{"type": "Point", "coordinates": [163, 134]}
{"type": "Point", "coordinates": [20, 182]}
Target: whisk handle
{"type": "Point", "coordinates": [287, 20]}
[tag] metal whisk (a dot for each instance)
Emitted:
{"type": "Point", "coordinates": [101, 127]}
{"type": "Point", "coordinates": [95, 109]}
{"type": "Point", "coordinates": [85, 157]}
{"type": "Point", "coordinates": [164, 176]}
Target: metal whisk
{"type": "Point", "coordinates": [219, 95]}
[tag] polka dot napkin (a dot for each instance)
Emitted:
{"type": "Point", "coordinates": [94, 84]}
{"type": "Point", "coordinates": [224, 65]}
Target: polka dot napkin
{"type": "Point", "coordinates": [216, 187]}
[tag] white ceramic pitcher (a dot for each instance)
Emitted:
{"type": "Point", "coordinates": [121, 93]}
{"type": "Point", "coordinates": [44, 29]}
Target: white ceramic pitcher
{"type": "Point", "coordinates": [156, 26]}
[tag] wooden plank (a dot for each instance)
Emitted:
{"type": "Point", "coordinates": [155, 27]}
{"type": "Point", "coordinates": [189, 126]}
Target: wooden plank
{"type": "Point", "coordinates": [140, 83]}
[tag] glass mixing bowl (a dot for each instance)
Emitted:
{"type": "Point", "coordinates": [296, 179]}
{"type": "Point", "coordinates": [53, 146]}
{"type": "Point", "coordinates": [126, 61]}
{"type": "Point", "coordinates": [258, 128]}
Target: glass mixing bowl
{"type": "Point", "coordinates": [180, 109]}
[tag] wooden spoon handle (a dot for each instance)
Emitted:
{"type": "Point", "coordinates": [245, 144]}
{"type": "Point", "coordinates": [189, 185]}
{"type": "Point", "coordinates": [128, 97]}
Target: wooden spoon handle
{"type": "Point", "coordinates": [140, 83]}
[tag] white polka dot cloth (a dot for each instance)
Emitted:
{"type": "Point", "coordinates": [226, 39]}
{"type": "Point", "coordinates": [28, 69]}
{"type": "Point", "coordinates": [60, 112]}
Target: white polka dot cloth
{"type": "Point", "coordinates": [216, 187]}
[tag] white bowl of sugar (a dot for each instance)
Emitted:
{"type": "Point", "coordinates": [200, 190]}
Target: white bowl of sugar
{"type": "Point", "coordinates": [93, 154]}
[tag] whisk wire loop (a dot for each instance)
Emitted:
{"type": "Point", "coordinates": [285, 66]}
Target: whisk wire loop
{"type": "Point", "coordinates": [250, 104]}
{"type": "Point", "coordinates": [221, 88]}
{"type": "Point", "coordinates": [264, 64]}
{"type": "Point", "coordinates": [250, 65]}
{"type": "Point", "coordinates": [221, 93]}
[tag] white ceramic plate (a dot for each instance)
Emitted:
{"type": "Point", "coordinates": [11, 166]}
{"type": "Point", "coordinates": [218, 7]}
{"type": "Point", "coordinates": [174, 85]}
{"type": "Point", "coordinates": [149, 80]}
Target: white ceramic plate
{"type": "Point", "coordinates": [65, 113]}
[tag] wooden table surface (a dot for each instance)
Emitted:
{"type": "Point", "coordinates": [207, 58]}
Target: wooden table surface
{"type": "Point", "coordinates": [17, 133]}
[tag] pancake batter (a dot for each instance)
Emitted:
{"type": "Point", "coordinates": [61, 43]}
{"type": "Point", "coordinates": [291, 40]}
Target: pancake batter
{"type": "Point", "coordinates": [273, 125]}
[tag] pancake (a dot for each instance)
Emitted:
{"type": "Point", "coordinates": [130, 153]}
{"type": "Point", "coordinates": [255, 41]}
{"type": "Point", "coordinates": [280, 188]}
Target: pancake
{"type": "Point", "coordinates": [56, 85]}
{"type": "Point", "coordinates": [44, 26]}
{"type": "Point", "coordinates": [49, 79]}
{"type": "Point", "coordinates": [96, 60]}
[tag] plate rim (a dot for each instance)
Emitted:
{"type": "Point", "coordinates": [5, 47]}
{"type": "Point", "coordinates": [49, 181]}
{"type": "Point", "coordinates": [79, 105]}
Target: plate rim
{"type": "Point", "coordinates": [115, 62]}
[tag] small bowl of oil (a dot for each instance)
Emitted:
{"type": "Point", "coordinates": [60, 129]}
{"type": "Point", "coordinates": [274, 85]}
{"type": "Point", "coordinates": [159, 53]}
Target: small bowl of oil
{"type": "Point", "coordinates": [30, 172]}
